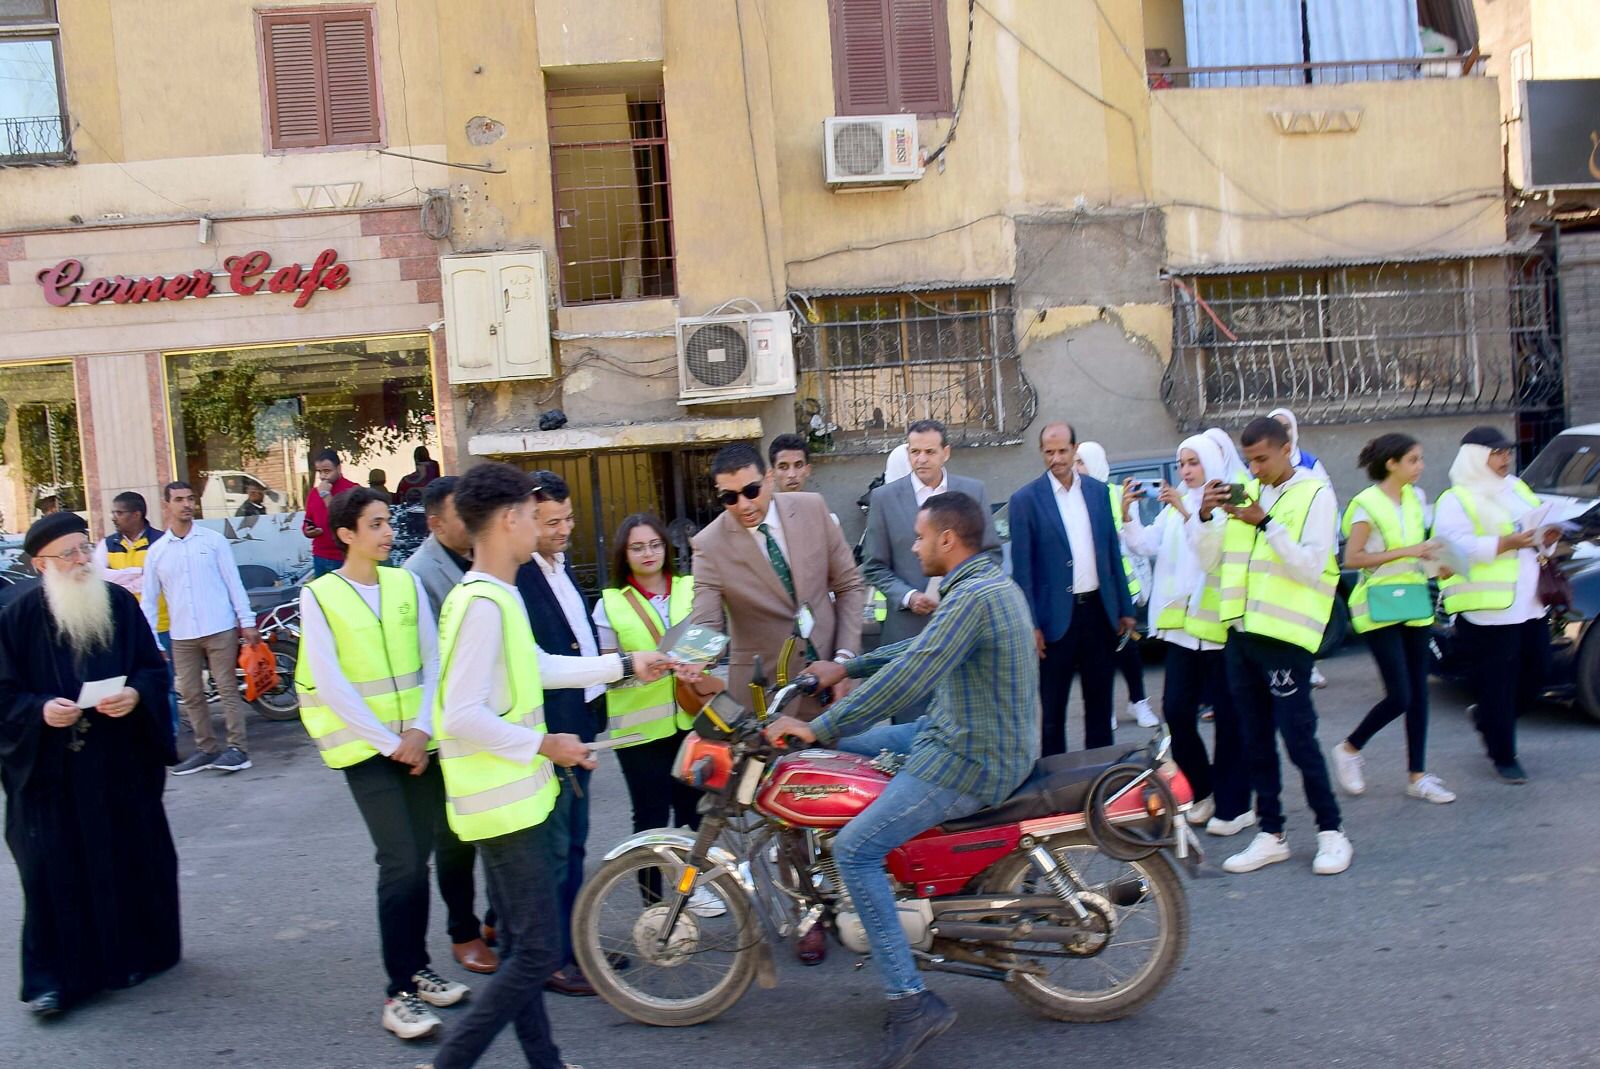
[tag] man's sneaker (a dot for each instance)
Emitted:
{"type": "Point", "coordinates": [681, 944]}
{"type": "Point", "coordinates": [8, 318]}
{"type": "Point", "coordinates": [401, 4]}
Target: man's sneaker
{"type": "Point", "coordinates": [912, 1022]}
{"type": "Point", "coordinates": [1431, 788]}
{"type": "Point", "coordinates": [1318, 680]}
{"type": "Point", "coordinates": [1333, 853]}
{"type": "Point", "coordinates": [1142, 713]}
{"type": "Point", "coordinates": [706, 903]}
{"type": "Point", "coordinates": [1217, 826]}
{"type": "Point", "coordinates": [1511, 773]}
{"type": "Point", "coordinates": [232, 759]}
{"type": "Point", "coordinates": [436, 990]}
{"type": "Point", "coordinates": [408, 1017]}
{"type": "Point", "coordinates": [195, 762]}
{"type": "Point", "coordinates": [1265, 849]}
{"type": "Point", "coordinates": [1203, 810]}
{"type": "Point", "coordinates": [1347, 768]}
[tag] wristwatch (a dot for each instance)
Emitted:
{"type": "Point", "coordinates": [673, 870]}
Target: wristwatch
{"type": "Point", "coordinates": [627, 666]}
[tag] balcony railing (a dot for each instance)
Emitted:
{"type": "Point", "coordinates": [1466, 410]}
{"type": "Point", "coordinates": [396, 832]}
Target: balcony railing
{"type": "Point", "coordinates": [1366, 70]}
{"type": "Point", "coordinates": [41, 139]}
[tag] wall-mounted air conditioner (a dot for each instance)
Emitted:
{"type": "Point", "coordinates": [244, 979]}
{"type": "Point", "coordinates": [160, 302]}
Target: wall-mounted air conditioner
{"type": "Point", "coordinates": [870, 151]}
{"type": "Point", "coordinates": [725, 358]}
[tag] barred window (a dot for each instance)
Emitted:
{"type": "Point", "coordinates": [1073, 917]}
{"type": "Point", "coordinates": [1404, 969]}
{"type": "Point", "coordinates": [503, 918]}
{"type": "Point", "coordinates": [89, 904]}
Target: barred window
{"type": "Point", "coordinates": [871, 365]}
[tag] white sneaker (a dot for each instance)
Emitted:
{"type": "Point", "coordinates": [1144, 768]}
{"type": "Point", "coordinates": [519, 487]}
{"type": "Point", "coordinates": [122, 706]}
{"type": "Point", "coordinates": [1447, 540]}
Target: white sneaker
{"type": "Point", "coordinates": [436, 990]}
{"type": "Point", "coordinates": [1224, 828]}
{"type": "Point", "coordinates": [1333, 853]}
{"type": "Point", "coordinates": [1318, 680]}
{"type": "Point", "coordinates": [1265, 849]}
{"type": "Point", "coordinates": [1143, 714]}
{"type": "Point", "coordinates": [1347, 768]}
{"type": "Point", "coordinates": [706, 903]}
{"type": "Point", "coordinates": [408, 1017]}
{"type": "Point", "coordinates": [1431, 788]}
{"type": "Point", "coordinates": [1203, 810]}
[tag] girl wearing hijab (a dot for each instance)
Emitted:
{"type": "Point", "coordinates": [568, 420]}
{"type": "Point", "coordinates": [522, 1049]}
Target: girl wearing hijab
{"type": "Point", "coordinates": [1302, 459]}
{"type": "Point", "coordinates": [1501, 624]}
{"type": "Point", "coordinates": [1092, 462]}
{"type": "Point", "coordinates": [1184, 604]}
{"type": "Point", "coordinates": [1234, 468]}
{"type": "Point", "coordinates": [1385, 537]}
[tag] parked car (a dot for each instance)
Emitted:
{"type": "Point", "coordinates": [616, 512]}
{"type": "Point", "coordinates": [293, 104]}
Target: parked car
{"type": "Point", "coordinates": [224, 491]}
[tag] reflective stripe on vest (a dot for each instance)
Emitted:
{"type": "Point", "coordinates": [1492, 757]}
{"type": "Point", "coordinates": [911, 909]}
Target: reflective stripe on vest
{"type": "Point", "coordinates": [1134, 589]}
{"type": "Point", "coordinates": [1257, 587]}
{"type": "Point", "coordinates": [1493, 585]}
{"type": "Point", "coordinates": [487, 795]}
{"type": "Point", "coordinates": [380, 657]}
{"type": "Point", "coordinates": [647, 709]}
{"type": "Point", "coordinates": [1397, 526]}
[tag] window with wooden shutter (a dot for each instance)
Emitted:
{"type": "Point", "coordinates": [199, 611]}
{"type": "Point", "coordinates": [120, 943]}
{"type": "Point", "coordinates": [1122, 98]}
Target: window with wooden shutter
{"type": "Point", "coordinates": [890, 56]}
{"type": "Point", "coordinates": [320, 78]}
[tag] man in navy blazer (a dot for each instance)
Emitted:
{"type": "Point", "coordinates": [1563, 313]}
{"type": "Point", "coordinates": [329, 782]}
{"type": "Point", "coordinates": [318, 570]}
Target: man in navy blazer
{"type": "Point", "coordinates": [1067, 558]}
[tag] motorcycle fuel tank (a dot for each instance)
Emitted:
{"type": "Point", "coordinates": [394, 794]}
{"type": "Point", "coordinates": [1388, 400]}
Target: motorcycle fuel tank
{"type": "Point", "coordinates": [820, 788]}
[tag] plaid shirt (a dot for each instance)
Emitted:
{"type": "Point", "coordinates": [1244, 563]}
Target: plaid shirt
{"type": "Point", "coordinates": [978, 660]}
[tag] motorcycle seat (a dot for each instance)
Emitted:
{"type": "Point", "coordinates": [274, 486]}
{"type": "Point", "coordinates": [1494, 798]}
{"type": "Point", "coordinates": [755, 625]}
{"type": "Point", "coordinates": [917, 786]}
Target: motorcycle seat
{"type": "Point", "coordinates": [1057, 784]}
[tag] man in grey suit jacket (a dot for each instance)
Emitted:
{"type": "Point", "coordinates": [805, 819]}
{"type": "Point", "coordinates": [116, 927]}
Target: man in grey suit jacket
{"type": "Point", "coordinates": [444, 558]}
{"type": "Point", "coordinates": [887, 560]}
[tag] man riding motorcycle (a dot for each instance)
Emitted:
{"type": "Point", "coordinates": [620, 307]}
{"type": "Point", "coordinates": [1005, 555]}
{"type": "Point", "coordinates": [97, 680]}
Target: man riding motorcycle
{"type": "Point", "coordinates": [978, 742]}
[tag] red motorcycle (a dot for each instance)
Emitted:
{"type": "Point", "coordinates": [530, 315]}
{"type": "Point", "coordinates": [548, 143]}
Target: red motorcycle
{"type": "Point", "coordinates": [1063, 892]}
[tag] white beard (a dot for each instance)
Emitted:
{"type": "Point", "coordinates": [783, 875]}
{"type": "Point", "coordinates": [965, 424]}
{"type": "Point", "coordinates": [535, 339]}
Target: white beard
{"type": "Point", "coordinates": [80, 605]}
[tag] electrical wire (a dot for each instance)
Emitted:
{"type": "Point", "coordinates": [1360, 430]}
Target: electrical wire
{"type": "Point", "coordinates": [750, 131]}
{"type": "Point", "coordinates": [961, 94]}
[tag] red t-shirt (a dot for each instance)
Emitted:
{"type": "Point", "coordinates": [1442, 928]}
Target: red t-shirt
{"type": "Point", "coordinates": [324, 545]}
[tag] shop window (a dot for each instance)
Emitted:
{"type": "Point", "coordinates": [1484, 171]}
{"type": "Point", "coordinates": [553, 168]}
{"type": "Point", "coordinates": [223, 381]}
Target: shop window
{"type": "Point", "coordinates": [890, 56]}
{"type": "Point", "coordinates": [320, 78]}
{"type": "Point", "coordinates": [41, 461]}
{"type": "Point", "coordinates": [33, 107]}
{"type": "Point", "coordinates": [243, 418]}
{"type": "Point", "coordinates": [613, 196]}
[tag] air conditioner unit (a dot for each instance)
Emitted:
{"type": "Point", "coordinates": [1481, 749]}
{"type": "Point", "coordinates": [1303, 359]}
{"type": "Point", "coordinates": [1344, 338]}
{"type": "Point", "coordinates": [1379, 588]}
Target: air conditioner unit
{"type": "Point", "coordinates": [725, 358]}
{"type": "Point", "coordinates": [870, 151]}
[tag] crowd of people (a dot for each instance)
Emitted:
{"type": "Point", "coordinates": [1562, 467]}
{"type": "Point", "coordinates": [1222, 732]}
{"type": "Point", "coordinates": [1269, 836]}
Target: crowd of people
{"type": "Point", "coordinates": [461, 697]}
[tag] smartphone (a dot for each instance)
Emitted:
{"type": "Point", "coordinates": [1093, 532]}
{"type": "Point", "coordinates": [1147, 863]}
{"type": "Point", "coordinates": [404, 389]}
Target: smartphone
{"type": "Point", "coordinates": [1237, 495]}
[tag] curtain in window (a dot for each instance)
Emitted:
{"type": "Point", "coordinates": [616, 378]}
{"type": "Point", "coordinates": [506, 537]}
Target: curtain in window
{"type": "Point", "coordinates": [1357, 30]}
{"type": "Point", "coordinates": [1232, 33]}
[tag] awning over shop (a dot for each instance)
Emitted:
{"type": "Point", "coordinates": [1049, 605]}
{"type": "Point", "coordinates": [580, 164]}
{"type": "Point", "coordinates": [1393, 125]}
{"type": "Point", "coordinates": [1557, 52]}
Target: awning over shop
{"type": "Point", "coordinates": [603, 436]}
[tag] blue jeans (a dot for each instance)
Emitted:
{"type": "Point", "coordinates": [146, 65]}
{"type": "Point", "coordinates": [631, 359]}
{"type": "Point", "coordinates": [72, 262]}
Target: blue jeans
{"type": "Point", "coordinates": [896, 738]}
{"type": "Point", "coordinates": [566, 832]}
{"type": "Point", "coordinates": [321, 566]}
{"type": "Point", "coordinates": [907, 807]}
{"type": "Point", "coordinates": [165, 638]}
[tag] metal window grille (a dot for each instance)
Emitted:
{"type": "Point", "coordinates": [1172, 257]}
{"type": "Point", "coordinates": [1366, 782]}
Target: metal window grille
{"type": "Point", "coordinates": [1361, 343]}
{"type": "Point", "coordinates": [613, 203]}
{"type": "Point", "coordinates": [1364, 70]}
{"type": "Point", "coordinates": [871, 365]}
{"type": "Point", "coordinates": [33, 112]}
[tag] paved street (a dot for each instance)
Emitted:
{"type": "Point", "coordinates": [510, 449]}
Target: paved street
{"type": "Point", "coordinates": [1463, 935]}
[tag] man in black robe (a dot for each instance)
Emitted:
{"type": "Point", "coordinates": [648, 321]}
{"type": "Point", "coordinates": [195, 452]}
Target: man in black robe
{"type": "Point", "coordinates": [84, 817]}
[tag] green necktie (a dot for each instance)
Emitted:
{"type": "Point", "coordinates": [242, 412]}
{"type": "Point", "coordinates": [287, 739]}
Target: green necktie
{"type": "Point", "coordinates": [775, 555]}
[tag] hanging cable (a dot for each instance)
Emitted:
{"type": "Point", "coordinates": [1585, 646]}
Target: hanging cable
{"type": "Point", "coordinates": [961, 94]}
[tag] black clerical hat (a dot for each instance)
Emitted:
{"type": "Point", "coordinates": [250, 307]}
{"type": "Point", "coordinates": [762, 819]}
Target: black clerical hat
{"type": "Point", "coordinates": [51, 527]}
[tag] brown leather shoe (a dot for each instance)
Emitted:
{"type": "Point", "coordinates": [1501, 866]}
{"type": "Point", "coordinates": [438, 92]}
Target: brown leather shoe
{"type": "Point", "coordinates": [570, 982]}
{"type": "Point", "coordinates": [476, 956]}
{"type": "Point", "coordinates": [488, 935]}
{"type": "Point", "coordinates": [812, 949]}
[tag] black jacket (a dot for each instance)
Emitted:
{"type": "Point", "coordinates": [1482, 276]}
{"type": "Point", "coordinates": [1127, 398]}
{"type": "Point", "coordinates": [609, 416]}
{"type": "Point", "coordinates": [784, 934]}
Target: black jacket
{"type": "Point", "coordinates": [564, 710]}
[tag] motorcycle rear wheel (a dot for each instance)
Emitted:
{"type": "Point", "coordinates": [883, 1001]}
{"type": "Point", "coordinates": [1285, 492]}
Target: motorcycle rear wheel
{"type": "Point", "coordinates": [282, 703]}
{"type": "Point", "coordinates": [1164, 924]}
{"type": "Point", "coordinates": [608, 917]}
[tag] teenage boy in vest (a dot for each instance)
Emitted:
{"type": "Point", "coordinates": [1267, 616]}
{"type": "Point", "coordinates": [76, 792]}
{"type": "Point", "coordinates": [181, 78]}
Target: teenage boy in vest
{"type": "Point", "coordinates": [499, 764]}
{"type": "Point", "coordinates": [366, 675]}
{"type": "Point", "coordinates": [1278, 584]}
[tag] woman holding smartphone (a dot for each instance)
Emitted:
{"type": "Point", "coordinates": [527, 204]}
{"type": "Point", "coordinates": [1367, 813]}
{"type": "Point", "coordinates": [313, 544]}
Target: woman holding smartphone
{"type": "Point", "coordinates": [1386, 537]}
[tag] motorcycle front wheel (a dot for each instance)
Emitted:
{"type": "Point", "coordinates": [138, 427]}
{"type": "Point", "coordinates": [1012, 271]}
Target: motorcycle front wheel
{"type": "Point", "coordinates": [707, 962]}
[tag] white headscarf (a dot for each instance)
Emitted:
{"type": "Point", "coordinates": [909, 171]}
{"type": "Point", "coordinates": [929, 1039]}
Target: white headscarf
{"type": "Point", "coordinates": [1470, 474]}
{"type": "Point", "coordinates": [1095, 464]}
{"type": "Point", "coordinates": [1294, 433]}
{"type": "Point", "coordinates": [1178, 575]}
{"type": "Point", "coordinates": [1233, 464]}
{"type": "Point", "coordinates": [898, 466]}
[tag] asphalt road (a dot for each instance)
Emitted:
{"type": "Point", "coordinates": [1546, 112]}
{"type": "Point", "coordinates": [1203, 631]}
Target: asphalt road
{"type": "Point", "coordinates": [1463, 935]}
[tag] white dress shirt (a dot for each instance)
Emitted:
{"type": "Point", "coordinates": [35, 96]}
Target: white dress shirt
{"type": "Point", "coordinates": [319, 647]}
{"type": "Point", "coordinates": [572, 607]}
{"type": "Point", "coordinates": [1080, 535]}
{"type": "Point", "coordinates": [198, 575]}
{"type": "Point", "coordinates": [477, 686]}
{"type": "Point", "coordinates": [924, 491]}
{"type": "Point", "coordinates": [1452, 525]}
{"type": "Point", "coordinates": [776, 525]}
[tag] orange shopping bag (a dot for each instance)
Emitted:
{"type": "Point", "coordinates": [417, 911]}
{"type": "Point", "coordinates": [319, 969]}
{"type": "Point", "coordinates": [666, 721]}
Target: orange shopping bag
{"type": "Point", "coordinates": [260, 670]}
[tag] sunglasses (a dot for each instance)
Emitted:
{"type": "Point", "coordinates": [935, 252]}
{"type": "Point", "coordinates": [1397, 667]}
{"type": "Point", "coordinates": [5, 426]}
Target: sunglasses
{"type": "Point", "coordinates": [730, 498]}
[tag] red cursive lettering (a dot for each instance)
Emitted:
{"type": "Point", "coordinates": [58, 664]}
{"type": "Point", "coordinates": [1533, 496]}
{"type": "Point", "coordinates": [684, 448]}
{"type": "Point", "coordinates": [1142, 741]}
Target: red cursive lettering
{"type": "Point", "coordinates": [245, 271]}
{"type": "Point", "coordinates": [285, 279]}
{"type": "Point", "coordinates": [337, 278]}
{"type": "Point", "coordinates": [313, 277]}
{"type": "Point", "coordinates": [64, 284]}
{"type": "Point", "coordinates": [177, 287]}
{"type": "Point", "coordinates": [58, 282]}
{"type": "Point", "coordinates": [204, 284]}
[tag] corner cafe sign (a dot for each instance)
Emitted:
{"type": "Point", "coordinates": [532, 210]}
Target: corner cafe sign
{"type": "Point", "coordinates": [245, 275]}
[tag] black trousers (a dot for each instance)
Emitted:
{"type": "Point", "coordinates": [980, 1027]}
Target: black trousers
{"type": "Point", "coordinates": [1088, 651]}
{"type": "Point", "coordinates": [454, 861]}
{"type": "Point", "coordinates": [1226, 775]}
{"type": "Point", "coordinates": [522, 890]}
{"type": "Point", "coordinates": [1271, 684]}
{"type": "Point", "coordinates": [1508, 667]}
{"type": "Point", "coordinates": [400, 811]}
{"type": "Point", "coordinates": [566, 845]}
{"type": "Point", "coordinates": [660, 800]}
{"type": "Point", "coordinates": [1402, 657]}
{"type": "Point", "coordinates": [1130, 662]}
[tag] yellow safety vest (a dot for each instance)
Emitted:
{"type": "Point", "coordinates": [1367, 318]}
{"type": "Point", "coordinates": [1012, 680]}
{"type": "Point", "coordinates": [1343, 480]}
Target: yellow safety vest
{"type": "Point", "coordinates": [1257, 587]}
{"type": "Point", "coordinates": [647, 709]}
{"type": "Point", "coordinates": [1204, 622]}
{"type": "Point", "coordinates": [1491, 586]}
{"type": "Point", "coordinates": [487, 795]}
{"type": "Point", "coordinates": [1402, 526]}
{"type": "Point", "coordinates": [123, 552]}
{"type": "Point", "coordinates": [880, 606]}
{"type": "Point", "coordinates": [1127, 565]}
{"type": "Point", "coordinates": [380, 657]}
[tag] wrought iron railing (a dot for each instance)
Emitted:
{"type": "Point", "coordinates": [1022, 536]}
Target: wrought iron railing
{"type": "Point", "coordinates": [1365, 70]}
{"type": "Point", "coordinates": [40, 139]}
{"type": "Point", "coordinates": [1364, 343]}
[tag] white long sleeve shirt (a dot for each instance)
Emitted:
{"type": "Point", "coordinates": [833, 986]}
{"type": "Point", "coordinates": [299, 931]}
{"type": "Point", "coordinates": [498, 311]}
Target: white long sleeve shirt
{"type": "Point", "coordinates": [321, 651]}
{"type": "Point", "coordinates": [477, 685]}
{"type": "Point", "coordinates": [1304, 558]}
{"type": "Point", "coordinates": [1145, 541]}
{"type": "Point", "coordinates": [198, 575]}
{"type": "Point", "coordinates": [1080, 535]}
{"type": "Point", "coordinates": [571, 601]}
{"type": "Point", "coordinates": [1452, 525]}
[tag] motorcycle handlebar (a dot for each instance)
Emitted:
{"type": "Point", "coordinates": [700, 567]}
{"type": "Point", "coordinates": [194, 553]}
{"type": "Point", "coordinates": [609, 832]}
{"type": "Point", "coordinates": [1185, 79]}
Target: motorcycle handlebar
{"type": "Point", "coordinates": [807, 683]}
